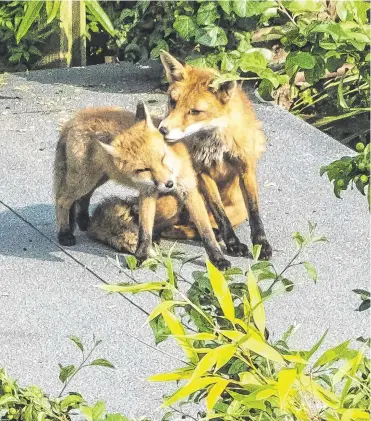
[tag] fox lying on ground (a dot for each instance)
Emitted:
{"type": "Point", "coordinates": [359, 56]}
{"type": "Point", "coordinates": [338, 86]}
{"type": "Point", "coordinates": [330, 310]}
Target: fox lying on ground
{"type": "Point", "coordinates": [99, 144]}
{"type": "Point", "coordinates": [224, 138]}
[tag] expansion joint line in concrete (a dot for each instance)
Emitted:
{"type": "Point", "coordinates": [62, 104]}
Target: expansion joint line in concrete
{"type": "Point", "coordinates": [94, 274]}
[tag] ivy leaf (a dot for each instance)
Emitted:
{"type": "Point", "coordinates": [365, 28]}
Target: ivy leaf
{"type": "Point", "coordinates": [185, 26]}
{"type": "Point", "coordinates": [160, 329]}
{"type": "Point", "coordinates": [211, 36]}
{"type": "Point", "coordinates": [155, 52]}
{"type": "Point", "coordinates": [225, 5]}
{"type": "Point", "coordinates": [207, 13]}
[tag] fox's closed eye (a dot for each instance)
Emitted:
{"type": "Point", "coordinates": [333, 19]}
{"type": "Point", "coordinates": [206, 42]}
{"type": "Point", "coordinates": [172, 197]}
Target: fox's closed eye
{"type": "Point", "coordinates": [193, 111]}
{"type": "Point", "coordinates": [142, 170]}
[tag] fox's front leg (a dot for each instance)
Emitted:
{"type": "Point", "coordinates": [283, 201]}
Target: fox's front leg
{"type": "Point", "coordinates": [211, 193]}
{"type": "Point", "coordinates": [147, 211]}
{"type": "Point", "coordinates": [249, 188]}
{"type": "Point", "coordinates": [197, 211]}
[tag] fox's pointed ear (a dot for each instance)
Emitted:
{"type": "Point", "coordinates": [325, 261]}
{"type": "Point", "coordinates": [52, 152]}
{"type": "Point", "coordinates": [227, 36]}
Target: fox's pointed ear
{"type": "Point", "coordinates": [225, 90]}
{"type": "Point", "coordinates": [174, 69]}
{"type": "Point", "coordinates": [111, 150]}
{"type": "Point", "coordinates": [140, 113]}
{"type": "Point", "coordinates": [146, 116]}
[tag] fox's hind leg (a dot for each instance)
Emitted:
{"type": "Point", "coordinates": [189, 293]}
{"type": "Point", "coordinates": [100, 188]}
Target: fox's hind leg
{"type": "Point", "coordinates": [82, 206]}
{"type": "Point", "coordinates": [66, 195]}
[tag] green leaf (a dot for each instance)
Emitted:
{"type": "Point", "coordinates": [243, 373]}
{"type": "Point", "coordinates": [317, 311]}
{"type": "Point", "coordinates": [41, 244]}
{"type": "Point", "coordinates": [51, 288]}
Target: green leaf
{"type": "Point", "coordinates": [362, 292]}
{"type": "Point", "coordinates": [102, 363]}
{"type": "Point", "coordinates": [252, 59]}
{"type": "Point", "coordinates": [299, 60]}
{"type": "Point", "coordinates": [225, 5]}
{"type": "Point", "coordinates": [300, 6]}
{"type": "Point", "coordinates": [185, 26]}
{"type": "Point", "coordinates": [221, 291]}
{"type": "Point", "coordinates": [311, 270]}
{"type": "Point", "coordinates": [316, 346]}
{"type": "Point", "coordinates": [248, 8]}
{"type": "Point", "coordinates": [30, 16]}
{"type": "Point", "coordinates": [98, 410]}
{"type": "Point", "coordinates": [78, 342]}
{"type": "Point", "coordinates": [332, 354]}
{"type": "Point", "coordinates": [71, 401]}
{"type": "Point", "coordinates": [342, 101]}
{"type": "Point", "coordinates": [161, 45]}
{"type": "Point", "coordinates": [147, 286]}
{"type": "Point", "coordinates": [258, 312]}
{"type": "Point", "coordinates": [52, 9]}
{"type": "Point", "coordinates": [214, 394]}
{"type": "Point", "coordinates": [159, 329]}
{"type": "Point", "coordinates": [286, 379]}
{"type": "Point", "coordinates": [66, 372]}
{"type": "Point", "coordinates": [207, 13]}
{"type": "Point", "coordinates": [94, 8]}
{"type": "Point", "coordinates": [131, 262]}
{"type": "Point", "coordinates": [211, 36]}
{"type": "Point", "coordinates": [189, 388]}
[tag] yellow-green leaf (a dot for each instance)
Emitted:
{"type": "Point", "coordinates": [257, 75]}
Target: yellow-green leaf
{"type": "Point", "coordinates": [356, 361]}
{"type": "Point", "coordinates": [214, 394]}
{"type": "Point", "coordinates": [295, 359]}
{"type": "Point", "coordinates": [190, 387]}
{"type": "Point", "coordinates": [206, 364]}
{"type": "Point", "coordinates": [148, 286]}
{"type": "Point", "coordinates": [199, 337]}
{"type": "Point", "coordinates": [332, 354]}
{"type": "Point", "coordinates": [258, 313]}
{"type": "Point", "coordinates": [286, 379]}
{"type": "Point", "coordinates": [221, 291]}
{"type": "Point", "coordinates": [342, 371]}
{"type": "Point", "coordinates": [353, 414]}
{"type": "Point", "coordinates": [183, 373]}
{"type": "Point", "coordinates": [248, 378]}
{"type": "Point", "coordinates": [325, 396]}
{"type": "Point", "coordinates": [254, 342]}
{"type": "Point", "coordinates": [164, 305]}
{"type": "Point", "coordinates": [176, 329]}
{"type": "Point", "coordinates": [224, 354]}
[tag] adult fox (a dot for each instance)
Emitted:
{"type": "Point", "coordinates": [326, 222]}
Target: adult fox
{"type": "Point", "coordinates": [99, 144]}
{"type": "Point", "coordinates": [225, 140]}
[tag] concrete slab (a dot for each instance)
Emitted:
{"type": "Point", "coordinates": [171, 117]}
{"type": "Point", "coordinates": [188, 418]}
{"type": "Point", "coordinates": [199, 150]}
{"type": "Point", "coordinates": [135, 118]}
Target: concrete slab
{"type": "Point", "coordinates": [46, 296]}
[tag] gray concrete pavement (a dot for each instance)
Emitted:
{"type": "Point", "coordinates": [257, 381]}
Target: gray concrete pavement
{"type": "Point", "coordinates": [46, 296]}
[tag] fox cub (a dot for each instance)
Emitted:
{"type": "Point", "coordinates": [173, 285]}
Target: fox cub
{"type": "Point", "coordinates": [217, 123]}
{"type": "Point", "coordinates": [105, 143]}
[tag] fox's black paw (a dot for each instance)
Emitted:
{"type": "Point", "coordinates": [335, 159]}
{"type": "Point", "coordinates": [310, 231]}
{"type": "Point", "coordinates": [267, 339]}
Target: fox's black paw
{"type": "Point", "coordinates": [83, 221]}
{"type": "Point", "coordinates": [66, 239]}
{"type": "Point", "coordinates": [236, 248]}
{"type": "Point", "coordinates": [266, 250]}
{"type": "Point", "coordinates": [221, 263]}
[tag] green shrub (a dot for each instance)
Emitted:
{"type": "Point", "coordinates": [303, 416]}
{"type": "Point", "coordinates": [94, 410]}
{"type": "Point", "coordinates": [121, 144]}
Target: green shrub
{"type": "Point", "coordinates": [231, 366]}
{"type": "Point", "coordinates": [351, 170]}
{"type": "Point", "coordinates": [31, 403]}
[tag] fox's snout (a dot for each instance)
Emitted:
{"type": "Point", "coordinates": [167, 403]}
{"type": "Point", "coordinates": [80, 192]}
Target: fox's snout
{"type": "Point", "coordinates": [165, 187]}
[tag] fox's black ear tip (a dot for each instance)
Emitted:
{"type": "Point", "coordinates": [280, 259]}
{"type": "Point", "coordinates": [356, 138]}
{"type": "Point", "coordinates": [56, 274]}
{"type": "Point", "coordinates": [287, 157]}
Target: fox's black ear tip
{"type": "Point", "coordinates": [140, 113]}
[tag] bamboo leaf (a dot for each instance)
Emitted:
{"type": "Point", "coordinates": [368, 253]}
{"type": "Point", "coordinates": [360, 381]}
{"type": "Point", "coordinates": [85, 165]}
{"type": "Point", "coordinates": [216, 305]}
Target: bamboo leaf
{"type": "Point", "coordinates": [342, 101]}
{"type": "Point", "coordinates": [248, 378]}
{"type": "Point", "coordinates": [164, 305]}
{"type": "Point", "coordinates": [224, 354]}
{"type": "Point", "coordinates": [286, 379]}
{"type": "Point", "coordinates": [295, 359]}
{"type": "Point", "coordinates": [258, 313]}
{"type": "Point", "coordinates": [100, 15]}
{"type": "Point", "coordinates": [356, 362]}
{"type": "Point", "coordinates": [181, 374]}
{"type": "Point", "coordinates": [134, 288]}
{"type": "Point", "coordinates": [31, 14]}
{"type": "Point", "coordinates": [332, 354]}
{"type": "Point", "coordinates": [221, 291]}
{"type": "Point", "coordinates": [52, 9]}
{"type": "Point", "coordinates": [353, 414]}
{"type": "Point", "coordinates": [178, 331]}
{"type": "Point", "coordinates": [191, 387]}
{"type": "Point", "coordinates": [214, 394]}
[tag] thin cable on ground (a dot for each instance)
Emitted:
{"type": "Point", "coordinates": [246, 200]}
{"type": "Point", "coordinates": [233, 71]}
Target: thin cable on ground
{"type": "Point", "coordinates": [94, 274]}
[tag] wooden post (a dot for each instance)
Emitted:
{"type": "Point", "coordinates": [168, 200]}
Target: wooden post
{"type": "Point", "coordinates": [72, 38]}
